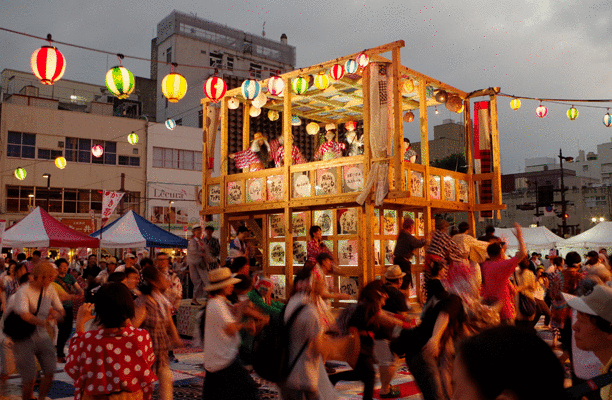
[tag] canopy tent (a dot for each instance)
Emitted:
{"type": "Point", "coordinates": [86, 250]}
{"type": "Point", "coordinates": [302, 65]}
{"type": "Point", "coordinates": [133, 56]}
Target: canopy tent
{"type": "Point", "coordinates": [536, 238]}
{"type": "Point", "coordinates": [598, 236]}
{"type": "Point", "coordinates": [132, 230]}
{"type": "Point", "coordinates": [39, 229]}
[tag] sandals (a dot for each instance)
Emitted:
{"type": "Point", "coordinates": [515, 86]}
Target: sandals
{"type": "Point", "coordinates": [393, 393]}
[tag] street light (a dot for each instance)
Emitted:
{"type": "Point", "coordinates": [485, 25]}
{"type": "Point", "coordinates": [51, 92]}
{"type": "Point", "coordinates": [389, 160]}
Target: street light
{"type": "Point", "coordinates": [48, 177]}
{"type": "Point", "coordinates": [563, 203]}
{"type": "Point", "coordinates": [30, 200]}
{"type": "Point", "coordinates": [169, 211]}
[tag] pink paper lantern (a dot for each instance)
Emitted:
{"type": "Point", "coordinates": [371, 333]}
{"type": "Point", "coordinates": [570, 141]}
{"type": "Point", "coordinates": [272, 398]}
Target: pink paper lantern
{"type": "Point", "coordinates": [541, 111]}
{"type": "Point", "coordinates": [276, 85]}
{"type": "Point", "coordinates": [97, 151]}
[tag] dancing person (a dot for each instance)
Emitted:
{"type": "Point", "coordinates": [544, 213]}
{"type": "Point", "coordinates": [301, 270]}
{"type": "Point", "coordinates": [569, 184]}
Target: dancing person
{"type": "Point", "coordinates": [72, 288]}
{"type": "Point", "coordinates": [525, 283]}
{"type": "Point", "coordinates": [464, 278]}
{"type": "Point", "coordinates": [441, 248]}
{"type": "Point", "coordinates": [404, 251]}
{"type": "Point", "coordinates": [197, 261]}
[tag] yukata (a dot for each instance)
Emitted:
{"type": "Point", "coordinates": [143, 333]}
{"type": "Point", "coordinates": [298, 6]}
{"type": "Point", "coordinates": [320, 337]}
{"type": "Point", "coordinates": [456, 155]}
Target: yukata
{"type": "Point", "coordinates": [296, 156]}
{"type": "Point", "coordinates": [248, 159]}
{"type": "Point", "coordinates": [408, 154]}
{"type": "Point", "coordinates": [329, 151]}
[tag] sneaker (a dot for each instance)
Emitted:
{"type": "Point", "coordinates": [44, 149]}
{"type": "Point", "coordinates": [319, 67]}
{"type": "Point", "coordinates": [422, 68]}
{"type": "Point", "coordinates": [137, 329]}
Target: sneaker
{"type": "Point", "coordinates": [393, 393]}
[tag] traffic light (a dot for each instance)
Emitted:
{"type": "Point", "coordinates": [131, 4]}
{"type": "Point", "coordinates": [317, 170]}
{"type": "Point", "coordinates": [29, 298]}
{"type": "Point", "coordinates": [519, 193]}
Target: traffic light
{"type": "Point", "coordinates": [563, 216]}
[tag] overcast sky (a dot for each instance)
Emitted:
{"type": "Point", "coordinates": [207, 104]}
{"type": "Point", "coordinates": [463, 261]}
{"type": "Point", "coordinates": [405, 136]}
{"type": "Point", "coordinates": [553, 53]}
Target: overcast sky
{"type": "Point", "coordinates": [546, 49]}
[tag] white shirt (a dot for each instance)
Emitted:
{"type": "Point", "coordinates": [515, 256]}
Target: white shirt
{"type": "Point", "coordinates": [26, 300]}
{"type": "Point", "coordinates": [220, 349]}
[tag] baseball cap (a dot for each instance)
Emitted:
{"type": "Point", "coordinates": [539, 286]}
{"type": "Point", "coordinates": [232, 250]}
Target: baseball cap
{"type": "Point", "coordinates": [598, 302]}
{"type": "Point", "coordinates": [130, 255]}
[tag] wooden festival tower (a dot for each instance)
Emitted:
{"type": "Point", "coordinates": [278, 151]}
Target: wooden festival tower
{"type": "Point", "coordinates": [286, 201]}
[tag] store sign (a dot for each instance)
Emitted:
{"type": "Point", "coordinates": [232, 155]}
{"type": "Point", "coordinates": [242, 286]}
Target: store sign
{"type": "Point", "coordinates": [85, 225]}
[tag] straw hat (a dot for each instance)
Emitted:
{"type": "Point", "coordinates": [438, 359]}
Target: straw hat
{"type": "Point", "coordinates": [394, 272]}
{"type": "Point", "coordinates": [220, 278]}
{"type": "Point", "coordinates": [258, 136]}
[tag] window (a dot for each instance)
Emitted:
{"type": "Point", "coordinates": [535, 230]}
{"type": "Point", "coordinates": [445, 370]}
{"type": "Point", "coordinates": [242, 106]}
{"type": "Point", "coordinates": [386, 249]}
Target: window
{"type": "Point", "coordinates": [21, 145]}
{"type": "Point", "coordinates": [169, 55]}
{"type": "Point", "coordinates": [60, 199]}
{"type": "Point", "coordinates": [200, 119]}
{"type": "Point", "coordinates": [47, 154]}
{"type": "Point", "coordinates": [177, 159]}
{"type": "Point", "coordinates": [216, 59]}
{"type": "Point", "coordinates": [129, 161]}
{"type": "Point", "coordinates": [71, 149]}
{"type": "Point", "coordinates": [230, 63]}
{"type": "Point", "coordinates": [79, 150]}
{"type": "Point", "coordinates": [84, 151]}
{"type": "Point", "coordinates": [256, 70]}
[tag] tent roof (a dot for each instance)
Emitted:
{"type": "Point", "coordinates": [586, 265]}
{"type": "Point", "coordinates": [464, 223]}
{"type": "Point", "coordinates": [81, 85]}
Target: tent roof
{"type": "Point", "coordinates": [598, 236]}
{"type": "Point", "coordinates": [539, 237]}
{"type": "Point", "coordinates": [132, 230]}
{"type": "Point", "coordinates": [39, 229]}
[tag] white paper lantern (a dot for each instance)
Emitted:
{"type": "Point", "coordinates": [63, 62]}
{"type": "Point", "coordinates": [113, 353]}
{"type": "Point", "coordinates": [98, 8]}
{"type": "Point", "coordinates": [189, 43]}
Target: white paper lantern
{"type": "Point", "coordinates": [254, 112]}
{"type": "Point", "coordinates": [312, 128]}
{"type": "Point", "coordinates": [260, 100]}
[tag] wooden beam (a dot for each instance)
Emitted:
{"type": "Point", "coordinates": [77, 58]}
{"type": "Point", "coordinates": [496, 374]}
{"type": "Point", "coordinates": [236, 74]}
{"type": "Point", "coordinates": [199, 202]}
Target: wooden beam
{"type": "Point", "coordinates": [425, 151]}
{"type": "Point", "coordinates": [246, 126]}
{"type": "Point", "coordinates": [288, 246]}
{"type": "Point", "coordinates": [398, 126]}
{"type": "Point", "coordinates": [224, 150]}
{"type": "Point", "coordinates": [287, 139]}
{"type": "Point", "coordinates": [497, 191]}
{"type": "Point", "coordinates": [205, 138]}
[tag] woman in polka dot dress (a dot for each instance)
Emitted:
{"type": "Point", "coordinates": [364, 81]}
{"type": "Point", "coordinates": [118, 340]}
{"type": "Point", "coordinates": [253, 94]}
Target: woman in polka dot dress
{"type": "Point", "coordinates": [114, 361]}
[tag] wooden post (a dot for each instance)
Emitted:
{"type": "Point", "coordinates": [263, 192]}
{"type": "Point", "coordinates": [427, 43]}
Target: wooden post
{"type": "Point", "coordinates": [367, 250]}
{"type": "Point", "coordinates": [287, 144]}
{"type": "Point", "coordinates": [398, 126]}
{"type": "Point", "coordinates": [425, 151]}
{"type": "Point", "coordinates": [223, 221]}
{"type": "Point", "coordinates": [246, 126]}
{"type": "Point", "coordinates": [205, 139]}
{"type": "Point", "coordinates": [469, 157]}
{"type": "Point", "coordinates": [497, 192]}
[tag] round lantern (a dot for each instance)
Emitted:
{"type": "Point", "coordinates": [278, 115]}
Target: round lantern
{"type": "Point", "coordinates": [312, 128]}
{"type": "Point", "coordinates": [132, 138]}
{"type": "Point", "coordinates": [441, 96]}
{"type": "Point", "coordinates": [330, 126]}
{"type": "Point", "coordinates": [408, 86]}
{"type": "Point", "coordinates": [250, 89]}
{"type": "Point", "coordinates": [299, 85]}
{"type": "Point", "coordinates": [607, 120]}
{"type": "Point", "coordinates": [20, 173]}
{"type": "Point", "coordinates": [429, 92]}
{"type": "Point", "coordinates": [260, 100]}
{"type": "Point", "coordinates": [215, 88]}
{"type": "Point", "coordinates": [351, 66]}
{"type": "Point", "coordinates": [541, 111]}
{"type": "Point", "coordinates": [276, 86]}
{"type": "Point", "coordinates": [233, 103]}
{"type": "Point", "coordinates": [60, 162]}
{"type": "Point", "coordinates": [255, 112]}
{"type": "Point", "coordinates": [321, 81]}
{"type": "Point", "coordinates": [336, 72]}
{"type": "Point", "coordinates": [454, 104]}
{"type": "Point", "coordinates": [97, 151]}
{"type": "Point", "coordinates": [174, 87]}
{"type": "Point", "coordinates": [572, 113]}
{"type": "Point", "coordinates": [363, 60]}
{"type": "Point", "coordinates": [409, 116]}
{"type": "Point", "coordinates": [515, 104]}
{"type": "Point", "coordinates": [170, 124]}
{"type": "Point", "coordinates": [120, 81]}
{"type": "Point", "coordinates": [350, 126]}
{"type": "Point", "coordinates": [273, 115]}
{"type": "Point", "coordinates": [48, 64]}
{"type": "Point", "coordinates": [295, 120]}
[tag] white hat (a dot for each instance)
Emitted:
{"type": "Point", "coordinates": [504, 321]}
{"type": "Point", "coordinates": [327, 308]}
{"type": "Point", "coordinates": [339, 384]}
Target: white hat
{"type": "Point", "coordinates": [220, 278]}
{"type": "Point", "coordinates": [598, 302]}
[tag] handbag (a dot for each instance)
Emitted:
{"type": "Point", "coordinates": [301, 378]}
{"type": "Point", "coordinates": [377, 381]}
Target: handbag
{"type": "Point", "coordinates": [16, 328]}
{"type": "Point", "coordinates": [526, 305]}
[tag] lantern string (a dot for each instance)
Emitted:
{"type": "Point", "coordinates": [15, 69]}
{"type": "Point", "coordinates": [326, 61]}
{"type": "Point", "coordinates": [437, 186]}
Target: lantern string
{"type": "Point", "coordinates": [567, 102]}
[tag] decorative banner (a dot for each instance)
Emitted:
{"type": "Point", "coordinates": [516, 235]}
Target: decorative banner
{"type": "Point", "coordinates": [255, 190]}
{"type": "Point", "coordinates": [276, 191]}
{"type": "Point", "coordinates": [277, 253]}
{"type": "Point", "coordinates": [300, 223]}
{"type": "Point", "coordinates": [390, 222]}
{"type": "Point", "coordinates": [326, 182]}
{"type": "Point", "coordinates": [416, 184]}
{"type": "Point", "coordinates": [389, 247]}
{"type": "Point", "coordinates": [352, 178]}
{"type": "Point", "coordinates": [299, 253]}
{"type": "Point", "coordinates": [463, 191]}
{"type": "Point", "coordinates": [347, 221]}
{"type": "Point", "coordinates": [234, 192]}
{"type": "Point", "coordinates": [449, 189]}
{"type": "Point", "coordinates": [2, 229]}
{"type": "Point", "coordinates": [420, 225]}
{"type": "Point", "coordinates": [82, 252]}
{"type": "Point", "coordinates": [482, 152]}
{"type": "Point", "coordinates": [377, 252]}
{"type": "Point", "coordinates": [347, 252]}
{"type": "Point", "coordinates": [279, 281]}
{"type": "Point", "coordinates": [214, 195]}
{"type": "Point", "coordinates": [301, 184]}
{"type": "Point", "coordinates": [110, 201]}
{"type": "Point", "coordinates": [434, 188]}
{"type": "Point", "coordinates": [277, 225]}
{"type": "Point", "coordinates": [324, 218]}
{"type": "Point", "coordinates": [349, 286]}
{"type": "Point", "coordinates": [64, 252]}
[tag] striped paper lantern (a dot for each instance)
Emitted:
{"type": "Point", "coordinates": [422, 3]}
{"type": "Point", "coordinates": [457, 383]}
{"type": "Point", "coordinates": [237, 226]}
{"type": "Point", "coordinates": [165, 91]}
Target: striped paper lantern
{"type": "Point", "coordinates": [541, 111]}
{"type": "Point", "coordinates": [336, 72]}
{"type": "Point", "coordinates": [515, 104]}
{"type": "Point", "coordinates": [120, 81]}
{"type": "Point", "coordinates": [295, 120]}
{"type": "Point", "coordinates": [299, 85]}
{"type": "Point", "coordinates": [60, 162]}
{"type": "Point", "coordinates": [572, 113]}
{"type": "Point", "coordinates": [321, 81]}
{"type": "Point", "coordinates": [351, 66]}
{"type": "Point", "coordinates": [132, 138]}
{"type": "Point", "coordinates": [273, 115]}
{"type": "Point", "coordinates": [170, 124]}
{"type": "Point", "coordinates": [48, 64]}
{"type": "Point", "coordinates": [215, 88]}
{"type": "Point", "coordinates": [607, 120]}
{"type": "Point", "coordinates": [363, 60]}
{"type": "Point", "coordinates": [276, 86]}
{"type": "Point", "coordinates": [174, 87]}
{"type": "Point", "coordinates": [20, 173]}
{"type": "Point", "coordinates": [250, 89]}
{"type": "Point", "coordinates": [97, 151]}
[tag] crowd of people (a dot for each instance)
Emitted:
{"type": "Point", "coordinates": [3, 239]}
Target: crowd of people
{"type": "Point", "coordinates": [475, 337]}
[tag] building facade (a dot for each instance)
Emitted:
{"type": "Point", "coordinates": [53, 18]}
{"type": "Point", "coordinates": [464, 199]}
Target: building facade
{"type": "Point", "coordinates": [449, 139]}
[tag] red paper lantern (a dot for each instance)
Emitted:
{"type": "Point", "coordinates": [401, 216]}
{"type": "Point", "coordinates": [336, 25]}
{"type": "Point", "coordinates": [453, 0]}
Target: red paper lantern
{"type": "Point", "coordinates": [350, 126]}
{"type": "Point", "coordinates": [363, 60]}
{"type": "Point", "coordinates": [336, 72]}
{"type": "Point", "coordinates": [541, 111]}
{"type": "Point", "coordinates": [48, 64]}
{"type": "Point", "coordinates": [215, 88]}
{"type": "Point", "coordinates": [97, 151]}
{"type": "Point", "coordinates": [276, 85]}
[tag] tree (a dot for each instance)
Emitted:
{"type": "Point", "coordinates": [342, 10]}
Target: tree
{"type": "Point", "coordinates": [454, 162]}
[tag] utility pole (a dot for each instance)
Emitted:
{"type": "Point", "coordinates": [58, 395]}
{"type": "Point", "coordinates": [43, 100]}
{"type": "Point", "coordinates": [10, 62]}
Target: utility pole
{"type": "Point", "coordinates": [563, 189]}
{"type": "Point", "coordinates": [122, 189]}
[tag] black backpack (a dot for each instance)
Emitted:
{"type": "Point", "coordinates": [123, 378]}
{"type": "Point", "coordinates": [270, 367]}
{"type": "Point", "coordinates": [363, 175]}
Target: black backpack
{"type": "Point", "coordinates": [271, 348]}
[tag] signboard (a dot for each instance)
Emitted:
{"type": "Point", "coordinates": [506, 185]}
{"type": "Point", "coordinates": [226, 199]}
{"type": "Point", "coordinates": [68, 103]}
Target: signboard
{"type": "Point", "coordinates": [83, 225]}
{"type": "Point", "coordinates": [185, 209]}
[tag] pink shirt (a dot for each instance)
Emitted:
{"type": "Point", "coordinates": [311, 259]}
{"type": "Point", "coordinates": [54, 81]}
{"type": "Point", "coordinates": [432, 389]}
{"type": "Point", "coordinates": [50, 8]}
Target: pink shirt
{"type": "Point", "coordinates": [496, 284]}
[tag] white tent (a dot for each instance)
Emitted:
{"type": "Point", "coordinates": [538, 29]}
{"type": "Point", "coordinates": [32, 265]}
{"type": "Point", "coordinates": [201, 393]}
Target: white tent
{"type": "Point", "coordinates": [536, 239]}
{"type": "Point", "coordinates": [598, 236]}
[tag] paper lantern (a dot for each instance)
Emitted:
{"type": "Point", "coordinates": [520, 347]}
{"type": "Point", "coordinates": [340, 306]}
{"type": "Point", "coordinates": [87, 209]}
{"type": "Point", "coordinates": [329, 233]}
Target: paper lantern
{"type": "Point", "coordinates": [454, 104]}
{"type": "Point", "coordinates": [363, 60]}
{"type": "Point", "coordinates": [299, 85]}
{"type": "Point", "coordinates": [170, 124]}
{"type": "Point", "coordinates": [174, 87]}
{"type": "Point", "coordinates": [120, 81]}
{"type": "Point", "coordinates": [312, 128]}
{"type": "Point", "coordinates": [515, 104]}
{"type": "Point", "coordinates": [541, 111]}
{"type": "Point", "coordinates": [441, 96]}
{"type": "Point", "coordinates": [572, 113]}
{"type": "Point", "coordinates": [233, 103]}
{"type": "Point", "coordinates": [260, 100]}
{"type": "Point", "coordinates": [273, 115]}
{"type": "Point", "coordinates": [60, 162]}
{"type": "Point", "coordinates": [295, 120]}
{"type": "Point", "coordinates": [250, 89]}
{"type": "Point", "coordinates": [607, 120]}
{"type": "Point", "coordinates": [48, 64]}
{"type": "Point", "coordinates": [276, 85]}
{"type": "Point", "coordinates": [215, 88]}
{"type": "Point", "coordinates": [350, 126]}
{"type": "Point", "coordinates": [336, 72]}
{"type": "Point", "coordinates": [255, 112]}
{"type": "Point", "coordinates": [132, 138]}
{"type": "Point", "coordinates": [321, 81]}
{"type": "Point", "coordinates": [20, 173]}
{"type": "Point", "coordinates": [330, 126]}
{"type": "Point", "coordinates": [351, 66]}
{"type": "Point", "coordinates": [409, 116]}
{"type": "Point", "coordinates": [97, 151]}
{"type": "Point", "coordinates": [408, 86]}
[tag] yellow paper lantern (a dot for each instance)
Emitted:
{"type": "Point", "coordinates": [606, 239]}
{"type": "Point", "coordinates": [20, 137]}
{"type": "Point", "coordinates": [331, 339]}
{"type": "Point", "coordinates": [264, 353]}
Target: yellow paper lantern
{"type": "Point", "coordinates": [312, 128]}
{"type": "Point", "coordinates": [60, 162]}
{"type": "Point", "coordinates": [321, 81]}
{"type": "Point", "coordinates": [174, 87]}
{"type": "Point", "coordinates": [515, 104]}
{"type": "Point", "coordinates": [273, 115]}
{"type": "Point", "coordinates": [254, 112]}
